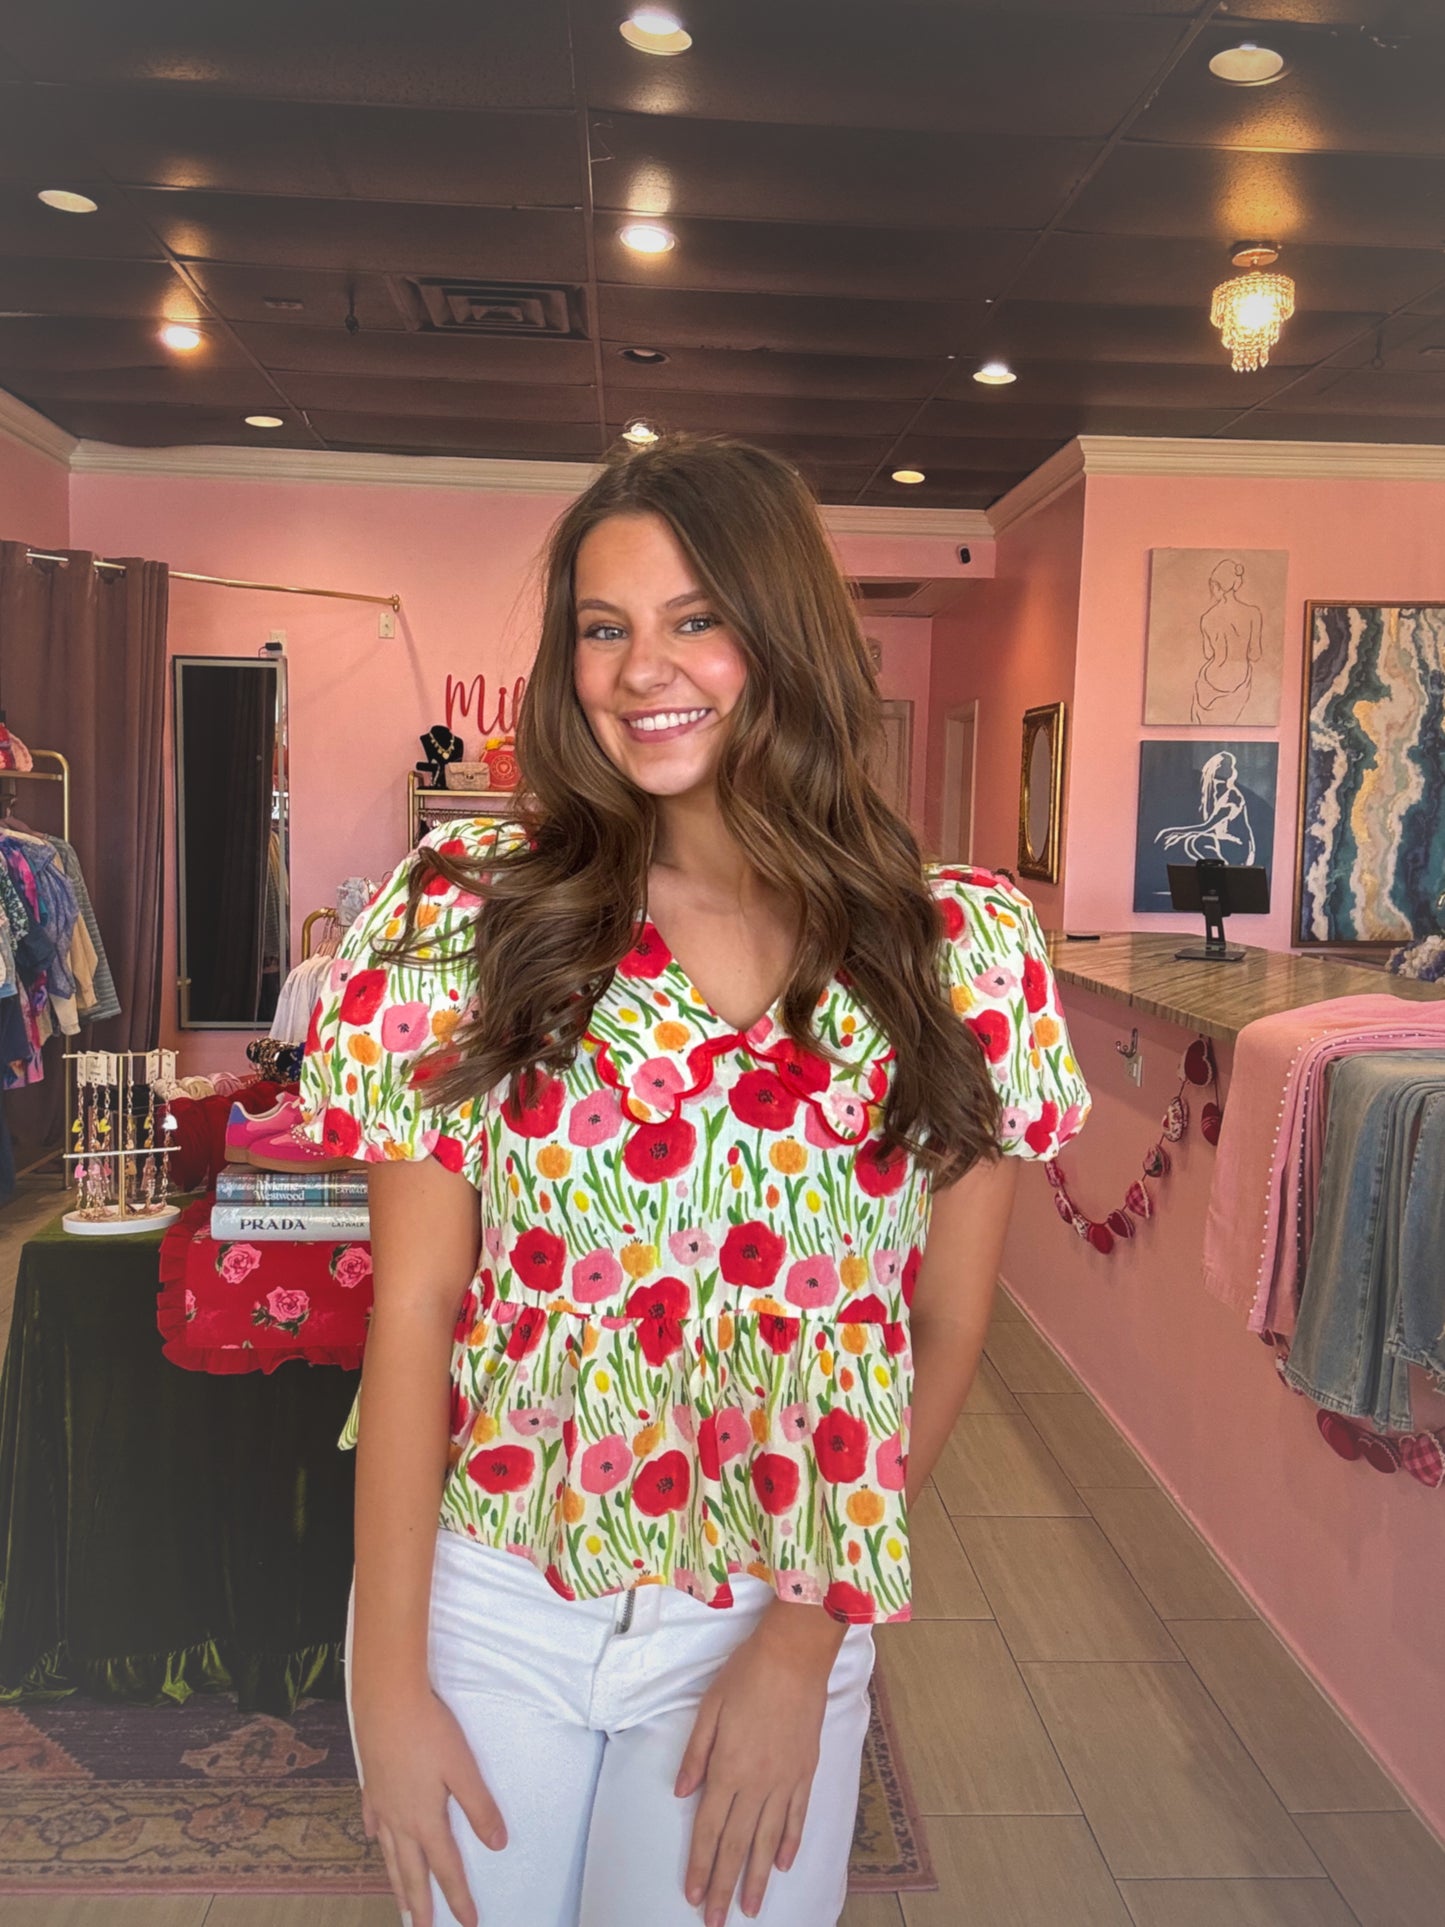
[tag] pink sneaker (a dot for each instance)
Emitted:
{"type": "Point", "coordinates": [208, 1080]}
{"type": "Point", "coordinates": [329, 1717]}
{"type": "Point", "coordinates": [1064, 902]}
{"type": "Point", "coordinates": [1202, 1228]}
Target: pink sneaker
{"type": "Point", "coordinates": [274, 1141]}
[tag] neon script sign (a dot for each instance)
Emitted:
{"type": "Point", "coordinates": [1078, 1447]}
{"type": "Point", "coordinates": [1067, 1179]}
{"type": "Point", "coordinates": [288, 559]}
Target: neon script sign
{"type": "Point", "coordinates": [470, 700]}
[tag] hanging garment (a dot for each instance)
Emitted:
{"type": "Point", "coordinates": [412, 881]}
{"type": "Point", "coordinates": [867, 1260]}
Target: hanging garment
{"type": "Point", "coordinates": [107, 1003]}
{"type": "Point", "coordinates": [298, 999]}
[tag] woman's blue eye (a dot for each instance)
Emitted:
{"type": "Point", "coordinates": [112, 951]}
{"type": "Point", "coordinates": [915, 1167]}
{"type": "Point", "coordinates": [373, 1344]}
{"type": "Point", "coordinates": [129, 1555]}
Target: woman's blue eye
{"type": "Point", "coordinates": [709, 621]}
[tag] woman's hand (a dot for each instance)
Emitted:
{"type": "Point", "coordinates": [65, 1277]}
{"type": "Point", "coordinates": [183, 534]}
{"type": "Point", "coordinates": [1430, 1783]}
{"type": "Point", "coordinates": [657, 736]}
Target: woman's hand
{"type": "Point", "coordinates": [413, 1754]}
{"type": "Point", "coordinates": [754, 1750]}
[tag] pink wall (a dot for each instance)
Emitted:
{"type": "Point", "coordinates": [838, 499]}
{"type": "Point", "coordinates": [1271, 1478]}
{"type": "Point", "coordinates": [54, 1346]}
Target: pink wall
{"type": "Point", "coordinates": [1347, 541]}
{"type": "Point", "coordinates": [1012, 647]}
{"type": "Point", "coordinates": [1347, 1565]}
{"type": "Point", "coordinates": [34, 496]}
{"type": "Point", "coordinates": [462, 562]}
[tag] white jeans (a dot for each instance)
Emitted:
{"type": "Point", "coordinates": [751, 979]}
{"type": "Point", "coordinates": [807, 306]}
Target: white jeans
{"type": "Point", "coordinates": [578, 1721]}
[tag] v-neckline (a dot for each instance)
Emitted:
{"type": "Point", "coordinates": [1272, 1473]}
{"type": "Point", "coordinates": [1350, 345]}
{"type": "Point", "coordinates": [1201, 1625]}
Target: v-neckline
{"type": "Point", "coordinates": [695, 997]}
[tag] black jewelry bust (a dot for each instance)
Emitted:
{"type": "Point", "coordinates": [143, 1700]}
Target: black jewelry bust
{"type": "Point", "coordinates": [441, 746]}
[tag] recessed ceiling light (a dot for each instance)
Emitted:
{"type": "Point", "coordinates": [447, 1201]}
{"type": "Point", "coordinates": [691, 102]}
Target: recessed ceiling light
{"type": "Point", "coordinates": [177, 335]}
{"type": "Point", "coordinates": [646, 237]}
{"type": "Point", "coordinates": [995, 374]}
{"type": "Point", "coordinates": [264, 421]}
{"type": "Point", "coordinates": [283, 303]}
{"type": "Point", "coordinates": [68, 203]}
{"type": "Point", "coordinates": [910, 475]}
{"type": "Point", "coordinates": [1247, 65]}
{"type": "Point", "coordinates": [644, 357]}
{"type": "Point", "coordinates": [653, 30]}
{"type": "Point", "coordinates": [641, 434]}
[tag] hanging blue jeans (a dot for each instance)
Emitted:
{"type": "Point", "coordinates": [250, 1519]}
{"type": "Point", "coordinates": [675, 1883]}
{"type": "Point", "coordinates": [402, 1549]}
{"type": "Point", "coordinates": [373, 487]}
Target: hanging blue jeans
{"type": "Point", "coordinates": [1353, 1310]}
{"type": "Point", "coordinates": [1419, 1332]}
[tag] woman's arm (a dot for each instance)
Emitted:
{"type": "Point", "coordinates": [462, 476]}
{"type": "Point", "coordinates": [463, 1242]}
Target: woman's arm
{"type": "Point", "coordinates": [425, 1236]}
{"type": "Point", "coordinates": [952, 1301]}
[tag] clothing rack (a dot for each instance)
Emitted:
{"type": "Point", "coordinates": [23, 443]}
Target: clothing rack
{"type": "Point", "coordinates": [392, 602]}
{"type": "Point", "coordinates": [61, 776]}
{"type": "Point", "coordinates": [315, 917]}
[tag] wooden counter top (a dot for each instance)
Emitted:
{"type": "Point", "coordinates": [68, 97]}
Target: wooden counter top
{"type": "Point", "coordinates": [1139, 969]}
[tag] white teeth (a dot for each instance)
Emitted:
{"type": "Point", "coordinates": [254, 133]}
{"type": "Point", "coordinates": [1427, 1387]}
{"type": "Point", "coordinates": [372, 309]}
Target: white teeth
{"type": "Point", "coordinates": [669, 719]}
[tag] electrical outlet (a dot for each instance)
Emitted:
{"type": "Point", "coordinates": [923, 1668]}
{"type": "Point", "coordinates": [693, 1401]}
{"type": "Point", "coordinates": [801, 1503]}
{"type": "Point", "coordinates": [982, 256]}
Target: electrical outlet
{"type": "Point", "coordinates": [1135, 1066]}
{"type": "Point", "coordinates": [386, 624]}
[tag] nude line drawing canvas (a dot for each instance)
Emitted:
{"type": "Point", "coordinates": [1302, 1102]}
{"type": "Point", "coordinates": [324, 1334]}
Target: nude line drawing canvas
{"type": "Point", "coordinates": [1202, 799]}
{"type": "Point", "coordinates": [1216, 636]}
{"type": "Point", "coordinates": [1371, 865]}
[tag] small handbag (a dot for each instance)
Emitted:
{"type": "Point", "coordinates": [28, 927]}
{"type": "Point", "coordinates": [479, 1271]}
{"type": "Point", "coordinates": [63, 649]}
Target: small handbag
{"type": "Point", "coordinates": [13, 753]}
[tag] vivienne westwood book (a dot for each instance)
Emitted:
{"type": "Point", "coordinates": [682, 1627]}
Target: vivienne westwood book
{"type": "Point", "coordinates": [300, 1224]}
{"type": "Point", "coordinates": [244, 1184]}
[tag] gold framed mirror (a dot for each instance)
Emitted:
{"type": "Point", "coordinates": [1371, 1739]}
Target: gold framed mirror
{"type": "Point", "coordinates": [1041, 793]}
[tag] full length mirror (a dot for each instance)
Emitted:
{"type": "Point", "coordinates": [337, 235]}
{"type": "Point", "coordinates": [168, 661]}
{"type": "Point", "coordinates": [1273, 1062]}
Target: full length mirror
{"type": "Point", "coordinates": [232, 809]}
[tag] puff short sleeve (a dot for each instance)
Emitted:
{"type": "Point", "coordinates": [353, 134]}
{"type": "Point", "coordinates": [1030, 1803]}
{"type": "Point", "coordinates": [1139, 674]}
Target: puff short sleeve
{"type": "Point", "coordinates": [998, 976]}
{"type": "Point", "coordinates": [379, 1023]}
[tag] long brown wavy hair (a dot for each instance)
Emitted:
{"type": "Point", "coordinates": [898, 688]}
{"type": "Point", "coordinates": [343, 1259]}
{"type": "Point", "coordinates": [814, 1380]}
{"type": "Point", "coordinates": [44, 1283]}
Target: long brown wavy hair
{"type": "Point", "coordinates": [794, 785]}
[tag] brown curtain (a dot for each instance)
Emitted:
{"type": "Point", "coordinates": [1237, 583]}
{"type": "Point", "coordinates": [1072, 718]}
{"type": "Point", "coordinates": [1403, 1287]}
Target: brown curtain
{"type": "Point", "coordinates": [82, 670]}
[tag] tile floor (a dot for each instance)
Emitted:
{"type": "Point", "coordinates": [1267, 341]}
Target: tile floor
{"type": "Point", "coordinates": [1098, 1727]}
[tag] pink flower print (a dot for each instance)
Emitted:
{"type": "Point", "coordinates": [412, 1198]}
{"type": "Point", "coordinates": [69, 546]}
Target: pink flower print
{"type": "Point", "coordinates": [353, 1267]}
{"type": "Point", "coordinates": [190, 1304]}
{"type": "Point", "coordinates": [238, 1262]}
{"type": "Point", "coordinates": [887, 1263]}
{"type": "Point", "coordinates": [340, 971]}
{"type": "Point", "coordinates": [761, 1031]}
{"type": "Point", "coordinates": [595, 1277]}
{"type": "Point", "coordinates": [688, 1582]}
{"type": "Point", "coordinates": [890, 1465]}
{"type": "Point", "coordinates": [1070, 1122]}
{"type": "Point", "coordinates": [812, 1282]}
{"type": "Point", "coordinates": [734, 1434]}
{"type": "Point", "coordinates": [692, 1246]}
{"type": "Point", "coordinates": [657, 1082]}
{"type": "Point", "coordinates": [594, 1118]}
{"type": "Point", "coordinates": [505, 1310]}
{"type": "Point", "coordinates": [405, 1028]}
{"type": "Point", "coordinates": [799, 1586]}
{"type": "Point", "coordinates": [793, 1422]}
{"type": "Point", "coordinates": [287, 1307]}
{"type": "Point", "coordinates": [995, 982]}
{"type": "Point", "coordinates": [680, 1188]}
{"type": "Point", "coordinates": [683, 1423]}
{"type": "Point", "coordinates": [528, 1420]}
{"type": "Point", "coordinates": [1013, 1122]}
{"type": "Point", "coordinates": [606, 1464]}
{"type": "Point", "coordinates": [492, 1239]}
{"type": "Point", "coordinates": [846, 1112]}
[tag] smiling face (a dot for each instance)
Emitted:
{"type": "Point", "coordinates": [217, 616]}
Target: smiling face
{"type": "Point", "coordinates": [656, 669]}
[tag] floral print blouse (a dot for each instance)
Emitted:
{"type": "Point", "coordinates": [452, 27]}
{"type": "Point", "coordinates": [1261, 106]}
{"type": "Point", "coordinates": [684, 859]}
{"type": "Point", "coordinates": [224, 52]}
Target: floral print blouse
{"type": "Point", "coordinates": [685, 1351]}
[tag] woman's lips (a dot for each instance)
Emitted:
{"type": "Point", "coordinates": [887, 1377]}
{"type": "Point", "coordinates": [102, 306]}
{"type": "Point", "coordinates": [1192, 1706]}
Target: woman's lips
{"type": "Point", "coordinates": [637, 735]}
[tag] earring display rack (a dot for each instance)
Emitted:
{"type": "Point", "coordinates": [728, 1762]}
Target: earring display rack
{"type": "Point", "coordinates": [120, 1127]}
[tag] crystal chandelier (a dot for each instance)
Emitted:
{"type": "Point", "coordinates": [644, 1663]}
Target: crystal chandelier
{"type": "Point", "coordinates": [1250, 309]}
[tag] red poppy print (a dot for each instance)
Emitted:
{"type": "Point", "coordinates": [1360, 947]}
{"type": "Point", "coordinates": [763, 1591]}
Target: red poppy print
{"type": "Point", "coordinates": [800, 1070]}
{"type": "Point", "coordinates": [341, 1134]}
{"type": "Point", "coordinates": [538, 1257]}
{"type": "Point", "coordinates": [775, 1481]}
{"type": "Point", "coordinates": [954, 921]}
{"type": "Point", "coordinates": [909, 1278]}
{"type": "Point", "coordinates": [993, 1031]}
{"type": "Point", "coordinates": [363, 997]}
{"type": "Point", "coordinates": [541, 1106]}
{"type": "Point", "coordinates": [662, 1484]}
{"type": "Point", "coordinates": [867, 1310]}
{"type": "Point", "coordinates": [751, 1255]}
{"type": "Point", "coordinates": [526, 1331]}
{"type": "Point", "coordinates": [659, 1310]}
{"type": "Point", "coordinates": [1036, 983]}
{"type": "Point", "coordinates": [1040, 1134]}
{"type": "Point", "coordinates": [648, 957]}
{"type": "Point", "coordinates": [762, 1099]}
{"type": "Point", "coordinates": [880, 1173]}
{"type": "Point", "coordinates": [656, 1152]}
{"type": "Point", "coordinates": [777, 1333]}
{"type": "Point", "coordinates": [840, 1442]}
{"type": "Point", "coordinates": [844, 1601]}
{"type": "Point", "coordinates": [449, 1152]}
{"type": "Point", "coordinates": [502, 1468]}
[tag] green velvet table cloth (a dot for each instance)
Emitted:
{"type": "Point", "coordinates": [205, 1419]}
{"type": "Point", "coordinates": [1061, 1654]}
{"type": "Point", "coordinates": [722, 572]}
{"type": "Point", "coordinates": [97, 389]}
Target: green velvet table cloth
{"type": "Point", "coordinates": [162, 1531]}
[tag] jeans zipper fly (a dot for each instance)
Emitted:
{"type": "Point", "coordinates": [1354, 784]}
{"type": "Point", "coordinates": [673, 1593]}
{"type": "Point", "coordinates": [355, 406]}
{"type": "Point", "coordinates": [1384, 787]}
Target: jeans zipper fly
{"type": "Point", "coordinates": [629, 1601]}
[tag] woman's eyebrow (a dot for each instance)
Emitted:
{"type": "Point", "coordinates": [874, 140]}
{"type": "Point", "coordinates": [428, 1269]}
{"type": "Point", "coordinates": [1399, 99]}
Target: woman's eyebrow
{"type": "Point", "coordinates": [676, 602]}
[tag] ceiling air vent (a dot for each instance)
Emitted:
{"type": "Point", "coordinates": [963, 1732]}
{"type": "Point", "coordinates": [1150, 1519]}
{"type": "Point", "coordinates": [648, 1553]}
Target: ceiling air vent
{"type": "Point", "coordinates": [889, 591]}
{"type": "Point", "coordinates": [450, 305]}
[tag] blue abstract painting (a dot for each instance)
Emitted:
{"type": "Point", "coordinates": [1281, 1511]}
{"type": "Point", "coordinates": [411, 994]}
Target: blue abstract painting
{"type": "Point", "coordinates": [1202, 799]}
{"type": "Point", "coordinates": [1372, 831]}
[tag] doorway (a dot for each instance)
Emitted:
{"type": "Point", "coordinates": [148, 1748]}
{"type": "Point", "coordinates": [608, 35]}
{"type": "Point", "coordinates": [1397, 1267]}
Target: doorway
{"type": "Point", "coordinates": [960, 743]}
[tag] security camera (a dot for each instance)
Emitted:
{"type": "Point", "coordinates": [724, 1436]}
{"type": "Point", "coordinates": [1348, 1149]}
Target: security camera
{"type": "Point", "coordinates": [965, 556]}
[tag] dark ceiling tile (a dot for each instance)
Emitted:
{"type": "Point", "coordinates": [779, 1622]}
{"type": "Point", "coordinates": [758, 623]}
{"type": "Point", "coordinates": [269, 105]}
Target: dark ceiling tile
{"type": "Point", "coordinates": [1060, 331]}
{"type": "Point", "coordinates": [29, 228]}
{"type": "Point", "coordinates": [845, 63]}
{"type": "Point", "coordinates": [459, 435]}
{"type": "Point", "coordinates": [1288, 426]}
{"type": "Point", "coordinates": [764, 371]}
{"type": "Point", "coordinates": [242, 294]}
{"type": "Point", "coordinates": [729, 170]}
{"type": "Point", "coordinates": [942, 491]}
{"type": "Point", "coordinates": [1130, 269]}
{"type": "Point", "coordinates": [477, 400]}
{"type": "Point", "coordinates": [1116, 384]}
{"type": "Point", "coordinates": [743, 414]}
{"type": "Point", "coordinates": [664, 317]}
{"type": "Point", "coordinates": [1359, 200]}
{"type": "Point", "coordinates": [948, 421]}
{"type": "Point", "coordinates": [241, 388]}
{"type": "Point", "coordinates": [149, 425]}
{"type": "Point", "coordinates": [119, 289]}
{"type": "Point", "coordinates": [1371, 392]}
{"type": "Point", "coordinates": [777, 258]}
{"type": "Point", "coordinates": [446, 357]}
{"type": "Point", "coordinates": [85, 343]}
{"type": "Point", "coordinates": [797, 445]}
{"type": "Point", "coordinates": [429, 53]}
{"type": "Point", "coordinates": [1341, 93]}
{"type": "Point", "coordinates": [529, 244]}
{"type": "Point", "coordinates": [327, 153]}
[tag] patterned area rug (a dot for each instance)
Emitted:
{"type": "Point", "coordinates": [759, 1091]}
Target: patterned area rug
{"type": "Point", "coordinates": [115, 1799]}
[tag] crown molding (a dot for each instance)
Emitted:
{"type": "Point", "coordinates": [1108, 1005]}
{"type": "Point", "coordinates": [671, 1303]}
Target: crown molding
{"type": "Point", "coordinates": [956, 525]}
{"type": "Point", "coordinates": [21, 424]}
{"type": "Point", "coordinates": [1281, 461]}
{"type": "Point", "coordinates": [1060, 471]}
{"type": "Point", "coordinates": [333, 465]}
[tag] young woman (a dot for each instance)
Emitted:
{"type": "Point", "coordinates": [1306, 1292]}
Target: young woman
{"type": "Point", "coordinates": [664, 1090]}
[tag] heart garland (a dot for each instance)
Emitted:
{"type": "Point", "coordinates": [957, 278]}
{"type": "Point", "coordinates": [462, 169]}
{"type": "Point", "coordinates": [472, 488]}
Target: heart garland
{"type": "Point", "coordinates": [1197, 1067]}
{"type": "Point", "coordinates": [1421, 1454]}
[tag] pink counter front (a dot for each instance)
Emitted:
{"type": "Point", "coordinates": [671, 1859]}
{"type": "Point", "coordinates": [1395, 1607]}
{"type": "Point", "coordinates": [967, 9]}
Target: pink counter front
{"type": "Point", "coordinates": [1346, 1564]}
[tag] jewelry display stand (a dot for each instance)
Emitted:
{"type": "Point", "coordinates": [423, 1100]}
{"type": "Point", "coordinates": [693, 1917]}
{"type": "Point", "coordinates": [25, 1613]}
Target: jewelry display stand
{"type": "Point", "coordinates": [122, 1173]}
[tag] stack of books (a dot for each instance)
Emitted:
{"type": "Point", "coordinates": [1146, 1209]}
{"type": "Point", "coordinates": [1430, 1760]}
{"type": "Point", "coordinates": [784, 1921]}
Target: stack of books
{"type": "Point", "coordinates": [304, 1207]}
